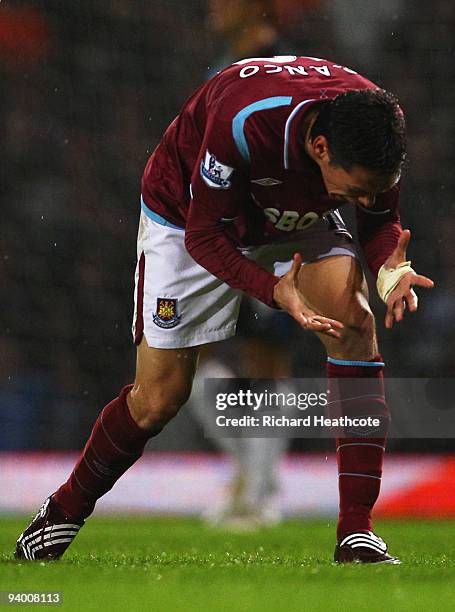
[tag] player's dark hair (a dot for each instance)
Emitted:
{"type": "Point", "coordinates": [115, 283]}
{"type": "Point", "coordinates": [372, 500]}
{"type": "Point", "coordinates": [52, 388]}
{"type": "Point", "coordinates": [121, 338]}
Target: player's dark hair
{"type": "Point", "coordinates": [363, 128]}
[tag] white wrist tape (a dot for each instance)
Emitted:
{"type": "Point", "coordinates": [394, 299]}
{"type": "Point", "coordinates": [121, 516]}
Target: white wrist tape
{"type": "Point", "coordinates": [388, 278]}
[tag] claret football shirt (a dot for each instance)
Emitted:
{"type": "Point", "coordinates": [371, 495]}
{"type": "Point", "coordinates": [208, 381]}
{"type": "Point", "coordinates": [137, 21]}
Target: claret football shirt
{"type": "Point", "coordinates": [231, 169]}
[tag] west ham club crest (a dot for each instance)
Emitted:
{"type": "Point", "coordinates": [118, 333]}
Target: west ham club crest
{"type": "Point", "coordinates": [166, 313]}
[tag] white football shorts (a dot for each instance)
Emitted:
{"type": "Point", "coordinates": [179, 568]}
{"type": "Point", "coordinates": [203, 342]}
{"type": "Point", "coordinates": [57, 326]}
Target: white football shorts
{"type": "Point", "coordinates": [178, 303]}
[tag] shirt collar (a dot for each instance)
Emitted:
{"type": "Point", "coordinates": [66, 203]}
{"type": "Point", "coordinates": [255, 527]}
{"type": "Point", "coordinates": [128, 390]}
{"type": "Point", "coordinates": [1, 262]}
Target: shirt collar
{"type": "Point", "coordinates": [292, 151]}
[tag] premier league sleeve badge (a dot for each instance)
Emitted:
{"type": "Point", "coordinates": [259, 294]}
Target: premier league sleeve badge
{"type": "Point", "coordinates": [214, 173]}
{"type": "Point", "coordinates": [166, 313]}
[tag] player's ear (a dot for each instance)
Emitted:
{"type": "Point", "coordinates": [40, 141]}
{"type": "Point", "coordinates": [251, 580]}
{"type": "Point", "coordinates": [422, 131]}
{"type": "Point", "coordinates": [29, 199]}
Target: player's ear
{"type": "Point", "coordinates": [320, 148]}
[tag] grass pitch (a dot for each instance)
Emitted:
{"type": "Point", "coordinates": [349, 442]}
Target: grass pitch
{"type": "Point", "coordinates": [176, 564]}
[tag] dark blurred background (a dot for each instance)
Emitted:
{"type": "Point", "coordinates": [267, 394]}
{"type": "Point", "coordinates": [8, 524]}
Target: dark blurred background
{"type": "Point", "coordinates": [87, 90]}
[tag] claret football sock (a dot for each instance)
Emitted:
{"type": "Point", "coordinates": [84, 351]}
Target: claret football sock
{"type": "Point", "coordinates": [116, 442]}
{"type": "Point", "coordinates": [357, 390]}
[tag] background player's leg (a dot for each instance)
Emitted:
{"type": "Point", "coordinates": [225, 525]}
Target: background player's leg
{"type": "Point", "coordinates": [336, 288]}
{"type": "Point", "coordinates": [162, 385]}
{"type": "Point", "coordinates": [251, 497]}
{"type": "Point", "coordinates": [260, 495]}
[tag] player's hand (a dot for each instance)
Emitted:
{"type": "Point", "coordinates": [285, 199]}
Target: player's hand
{"type": "Point", "coordinates": [403, 296]}
{"type": "Point", "coordinates": [288, 297]}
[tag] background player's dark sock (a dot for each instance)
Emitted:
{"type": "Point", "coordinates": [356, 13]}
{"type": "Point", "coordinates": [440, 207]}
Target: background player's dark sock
{"type": "Point", "coordinates": [359, 458]}
{"type": "Point", "coordinates": [116, 442]}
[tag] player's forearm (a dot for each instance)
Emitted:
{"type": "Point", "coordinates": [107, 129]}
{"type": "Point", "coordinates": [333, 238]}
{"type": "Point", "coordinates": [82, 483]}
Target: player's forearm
{"type": "Point", "coordinates": [214, 252]}
{"type": "Point", "coordinates": [379, 243]}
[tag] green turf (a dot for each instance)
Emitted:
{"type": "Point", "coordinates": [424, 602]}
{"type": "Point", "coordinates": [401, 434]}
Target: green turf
{"type": "Point", "coordinates": [178, 564]}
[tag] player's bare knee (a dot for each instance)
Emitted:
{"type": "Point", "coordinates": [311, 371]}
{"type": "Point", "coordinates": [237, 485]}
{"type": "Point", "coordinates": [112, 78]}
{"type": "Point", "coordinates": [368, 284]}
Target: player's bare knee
{"type": "Point", "coordinates": [361, 323]}
{"type": "Point", "coordinates": [358, 337]}
{"type": "Point", "coordinates": [154, 406]}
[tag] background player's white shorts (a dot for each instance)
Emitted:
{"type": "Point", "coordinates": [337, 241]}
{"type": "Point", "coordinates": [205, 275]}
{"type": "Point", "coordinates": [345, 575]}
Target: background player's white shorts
{"type": "Point", "coordinates": [178, 303]}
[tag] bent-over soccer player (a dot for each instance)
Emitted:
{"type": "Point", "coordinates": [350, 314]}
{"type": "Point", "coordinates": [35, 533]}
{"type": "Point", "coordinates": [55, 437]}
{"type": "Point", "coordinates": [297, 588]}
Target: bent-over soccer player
{"type": "Point", "coordinates": [241, 195]}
